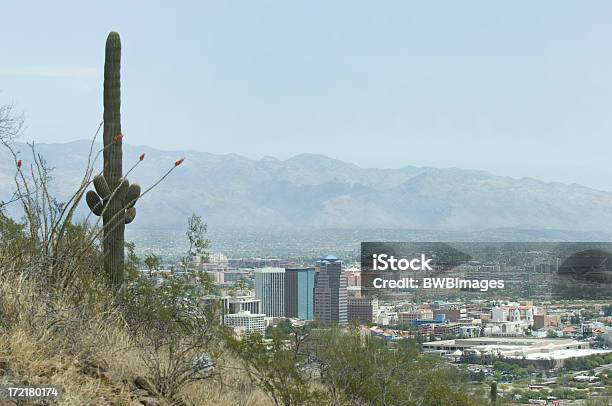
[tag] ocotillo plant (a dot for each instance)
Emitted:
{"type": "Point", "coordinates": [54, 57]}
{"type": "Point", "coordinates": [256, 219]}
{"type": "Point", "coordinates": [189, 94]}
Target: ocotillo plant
{"type": "Point", "coordinates": [114, 198]}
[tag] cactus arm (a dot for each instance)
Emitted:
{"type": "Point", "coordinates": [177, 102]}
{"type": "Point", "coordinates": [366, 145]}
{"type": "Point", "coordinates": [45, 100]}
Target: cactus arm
{"type": "Point", "coordinates": [132, 196]}
{"type": "Point", "coordinates": [101, 186]}
{"type": "Point", "coordinates": [130, 214]}
{"type": "Point", "coordinates": [94, 202]}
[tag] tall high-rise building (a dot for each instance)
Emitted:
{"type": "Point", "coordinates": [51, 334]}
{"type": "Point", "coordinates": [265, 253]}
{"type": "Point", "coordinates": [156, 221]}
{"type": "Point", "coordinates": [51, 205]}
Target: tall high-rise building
{"type": "Point", "coordinates": [270, 289]}
{"type": "Point", "coordinates": [299, 293]}
{"type": "Point", "coordinates": [330, 291]}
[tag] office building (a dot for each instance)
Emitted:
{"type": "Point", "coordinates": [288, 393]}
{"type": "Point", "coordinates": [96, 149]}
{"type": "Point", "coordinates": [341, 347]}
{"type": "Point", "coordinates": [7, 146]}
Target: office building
{"type": "Point", "coordinates": [362, 310]}
{"type": "Point", "coordinates": [246, 322]}
{"type": "Point", "coordinates": [299, 293]}
{"type": "Point", "coordinates": [270, 290]}
{"type": "Point", "coordinates": [330, 291]}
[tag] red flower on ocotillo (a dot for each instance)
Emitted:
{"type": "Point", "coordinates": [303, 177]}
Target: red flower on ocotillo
{"type": "Point", "coordinates": [178, 161]}
{"type": "Point", "coordinates": [141, 157]}
{"type": "Point", "coordinates": [118, 137]}
{"type": "Point", "coordinates": [19, 163]}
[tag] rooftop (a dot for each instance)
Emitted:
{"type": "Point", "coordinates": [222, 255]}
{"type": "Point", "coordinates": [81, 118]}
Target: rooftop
{"type": "Point", "coordinates": [565, 354]}
{"type": "Point", "coordinates": [330, 258]}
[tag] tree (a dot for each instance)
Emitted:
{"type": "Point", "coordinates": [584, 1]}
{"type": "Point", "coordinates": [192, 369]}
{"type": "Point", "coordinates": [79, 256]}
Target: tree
{"type": "Point", "coordinates": [359, 369]}
{"type": "Point", "coordinates": [198, 243]}
{"type": "Point", "coordinates": [176, 332]}
{"type": "Point", "coordinates": [132, 262]}
{"type": "Point", "coordinates": [152, 262]}
{"type": "Point", "coordinates": [277, 368]}
{"type": "Point", "coordinates": [493, 393]}
{"type": "Point", "coordinates": [10, 124]}
{"type": "Point", "coordinates": [240, 285]}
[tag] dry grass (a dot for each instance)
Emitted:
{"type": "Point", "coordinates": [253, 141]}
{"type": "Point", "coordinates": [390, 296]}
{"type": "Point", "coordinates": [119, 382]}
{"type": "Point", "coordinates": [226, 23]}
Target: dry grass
{"type": "Point", "coordinates": [47, 341]}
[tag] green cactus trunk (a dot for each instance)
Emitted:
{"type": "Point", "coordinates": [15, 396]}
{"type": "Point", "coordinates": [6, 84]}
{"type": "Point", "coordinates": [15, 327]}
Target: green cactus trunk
{"type": "Point", "coordinates": [114, 198]}
{"type": "Point", "coordinates": [114, 222]}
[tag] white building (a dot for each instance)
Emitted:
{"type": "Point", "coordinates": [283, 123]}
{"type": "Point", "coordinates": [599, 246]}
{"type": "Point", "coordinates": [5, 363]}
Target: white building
{"type": "Point", "coordinates": [524, 349]}
{"type": "Point", "coordinates": [245, 321]}
{"type": "Point", "coordinates": [242, 303]}
{"type": "Point", "coordinates": [270, 289]}
{"type": "Point", "coordinates": [386, 318]}
{"type": "Point", "coordinates": [516, 313]}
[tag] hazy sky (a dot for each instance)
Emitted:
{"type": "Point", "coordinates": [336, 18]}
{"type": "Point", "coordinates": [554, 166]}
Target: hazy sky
{"type": "Point", "coordinates": [515, 88]}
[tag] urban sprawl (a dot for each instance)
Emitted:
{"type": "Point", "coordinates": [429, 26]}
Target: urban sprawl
{"type": "Point", "coordinates": [535, 347]}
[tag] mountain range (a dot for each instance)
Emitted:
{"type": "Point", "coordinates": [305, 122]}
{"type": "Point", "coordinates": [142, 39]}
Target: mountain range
{"type": "Point", "coordinates": [308, 190]}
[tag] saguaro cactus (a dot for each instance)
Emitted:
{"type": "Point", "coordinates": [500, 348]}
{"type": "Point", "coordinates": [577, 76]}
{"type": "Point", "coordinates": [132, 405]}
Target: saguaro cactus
{"type": "Point", "coordinates": [114, 198]}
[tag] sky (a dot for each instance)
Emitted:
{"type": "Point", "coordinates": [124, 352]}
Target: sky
{"type": "Point", "coordinates": [522, 89]}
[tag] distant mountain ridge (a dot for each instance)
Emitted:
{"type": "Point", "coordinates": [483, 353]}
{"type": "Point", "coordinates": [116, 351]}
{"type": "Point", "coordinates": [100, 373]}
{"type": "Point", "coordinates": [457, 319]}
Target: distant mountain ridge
{"type": "Point", "coordinates": [311, 190]}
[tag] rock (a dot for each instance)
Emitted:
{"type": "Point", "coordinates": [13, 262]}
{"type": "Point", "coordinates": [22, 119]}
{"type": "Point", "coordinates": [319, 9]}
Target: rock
{"type": "Point", "coordinates": [149, 401]}
{"type": "Point", "coordinates": [94, 368]}
{"type": "Point", "coordinates": [108, 377]}
{"type": "Point", "coordinates": [141, 392]}
{"type": "Point", "coordinates": [143, 383]}
{"type": "Point", "coordinates": [100, 402]}
{"type": "Point", "coordinates": [5, 369]}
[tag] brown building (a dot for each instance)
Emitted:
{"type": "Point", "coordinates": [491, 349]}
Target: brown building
{"type": "Point", "coordinates": [447, 330]}
{"type": "Point", "coordinates": [544, 320]}
{"type": "Point", "coordinates": [452, 315]}
{"type": "Point", "coordinates": [406, 318]}
{"type": "Point", "coordinates": [353, 277]}
{"type": "Point", "coordinates": [362, 310]}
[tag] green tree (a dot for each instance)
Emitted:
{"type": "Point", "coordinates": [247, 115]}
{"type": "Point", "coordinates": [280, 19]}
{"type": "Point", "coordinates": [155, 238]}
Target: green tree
{"type": "Point", "coordinates": [198, 243]}
{"type": "Point", "coordinates": [178, 335]}
{"type": "Point", "coordinates": [132, 262]}
{"type": "Point", "coordinates": [493, 393]}
{"type": "Point", "coordinates": [277, 368]}
{"type": "Point", "coordinates": [364, 370]}
{"type": "Point", "coordinates": [152, 262]}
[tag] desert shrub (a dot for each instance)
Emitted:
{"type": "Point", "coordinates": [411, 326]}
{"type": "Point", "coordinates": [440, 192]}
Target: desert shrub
{"type": "Point", "coordinates": [339, 366]}
{"type": "Point", "coordinates": [175, 332]}
{"type": "Point", "coordinates": [365, 370]}
{"type": "Point", "coordinates": [275, 365]}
